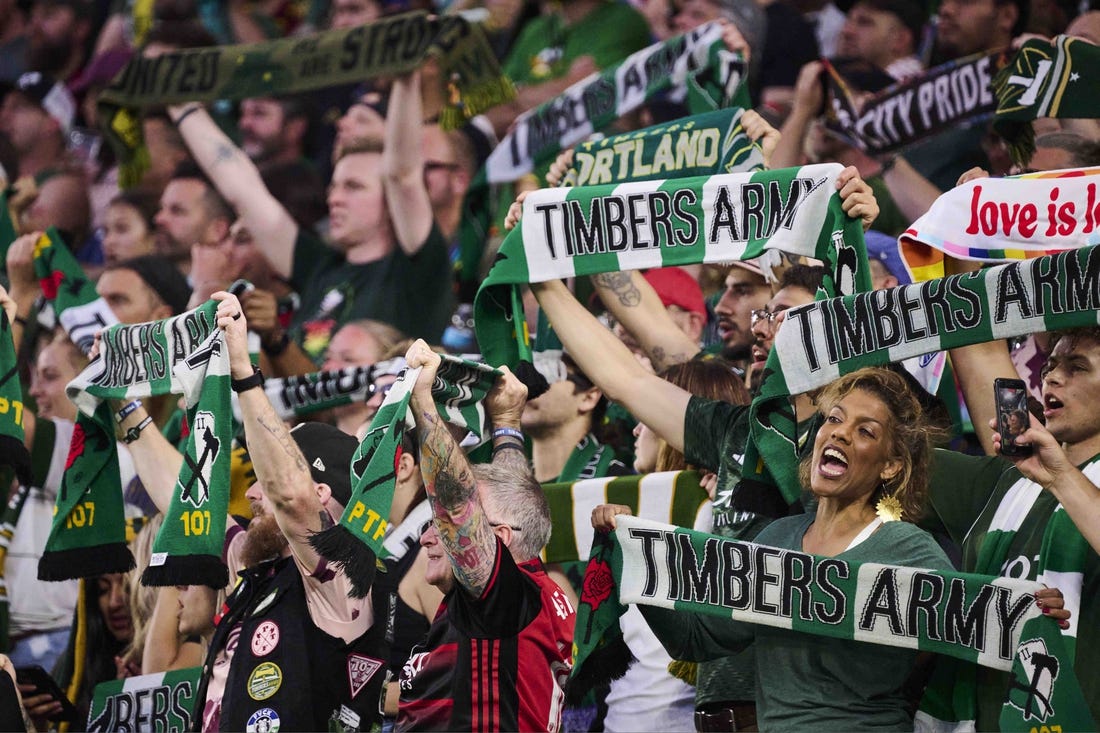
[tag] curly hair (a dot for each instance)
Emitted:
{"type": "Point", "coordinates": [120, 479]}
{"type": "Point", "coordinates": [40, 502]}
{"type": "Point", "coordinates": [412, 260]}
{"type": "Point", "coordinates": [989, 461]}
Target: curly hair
{"type": "Point", "coordinates": [911, 434]}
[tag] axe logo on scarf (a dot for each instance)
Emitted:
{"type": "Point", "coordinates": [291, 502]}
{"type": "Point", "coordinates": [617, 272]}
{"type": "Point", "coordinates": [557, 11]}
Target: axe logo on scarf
{"type": "Point", "coordinates": [197, 490]}
{"type": "Point", "coordinates": [1022, 89]}
{"type": "Point", "coordinates": [1032, 691]}
{"type": "Point", "coordinates": [360, 671]}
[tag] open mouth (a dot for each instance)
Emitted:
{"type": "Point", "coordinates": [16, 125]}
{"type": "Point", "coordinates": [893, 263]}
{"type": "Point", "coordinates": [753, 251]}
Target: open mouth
{"type": "Point", "coordinates": [833, 463]}
{"type": "Point", "coordinates": [1051, 405]}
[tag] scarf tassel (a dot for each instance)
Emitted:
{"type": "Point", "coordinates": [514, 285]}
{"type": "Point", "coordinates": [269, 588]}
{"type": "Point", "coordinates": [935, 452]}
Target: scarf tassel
{"type": "Point", "coordinates": [84, 562]}
{"type": "Point", "coordinates": [609, 661]}
{"type": "Point", "coordinates": [16, 455]}
{"type": "Point", "coordinates": [342, 548]}
{"type": "Point", "coordinates": [205, 570]}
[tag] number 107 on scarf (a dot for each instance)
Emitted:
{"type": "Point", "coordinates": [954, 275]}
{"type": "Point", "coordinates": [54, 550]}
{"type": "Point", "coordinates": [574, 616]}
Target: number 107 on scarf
{"type": "Point", "coordinates": [195, 522]}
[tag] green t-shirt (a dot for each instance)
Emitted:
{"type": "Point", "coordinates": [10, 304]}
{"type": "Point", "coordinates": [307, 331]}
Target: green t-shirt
{"type": "Point", "coordinates": [965, 494]}
{"type": "Point", "coordinates": [806, 682]}
{"type": "Point", "coordinates": [412, 294]}
{"type": "Point", "coordinates": [715, 434]}
{"type": "Point", "coordinates": [546, 47]}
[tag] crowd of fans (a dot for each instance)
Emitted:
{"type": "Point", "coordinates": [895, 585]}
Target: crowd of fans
{"type": "Point", "coordinates": [343, 209]}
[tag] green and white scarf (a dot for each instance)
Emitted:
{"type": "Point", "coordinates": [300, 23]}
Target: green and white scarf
{"type": "Point", "coordinates": [156, 702]}
{"type": "Point", "coordinates": [7, 231]}
{"type": "Point", "coordinates": [950, 695]}
{"type": "Point", "coordinates": [596, 101]}
{"type": "Point", "coordinates": [81, 312]}
{"type": "Point", "coordinates": [471, 78]}
{"type": "Point", "coordinates": [696, 65]}
{"type": "Point", "coordinates": [569, 232]}
{"type": "Point", "coordinates": [1045, 79]}
{"type": "Point", "coordinates": [185, 355]}
{"type": "Point", "coordinates": [356, 543]}
{"type": "Point", "coordinates": [821, 341]}
{"type": "Point", "coordinates": [955, 94]}
{"type": "Point", "coordinates": [673, 497]}
{"type": "Point", "coordinates": [979, 619]}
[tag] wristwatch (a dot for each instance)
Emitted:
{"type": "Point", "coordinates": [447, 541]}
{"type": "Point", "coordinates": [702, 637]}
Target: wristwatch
{"type": "Point", "coordinates": [256, 379]}
{"type": "Point", "coordinates": [134, 432]}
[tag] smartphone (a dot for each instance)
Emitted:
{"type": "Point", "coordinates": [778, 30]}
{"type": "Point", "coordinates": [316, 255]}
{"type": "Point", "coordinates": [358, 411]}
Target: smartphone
{"type": "Point", "coordinates": [1010, 397]}
{"type": "Point", "coordinates": [45, 684]}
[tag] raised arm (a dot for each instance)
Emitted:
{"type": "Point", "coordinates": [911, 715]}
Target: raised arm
{"type": "Point", "coordinates": [239, 182]}
{"type": "Point", "coordinates": [449, 479]}
{"type": "Point", "coordinates": [280, 467]}
{"type": "Point", "coordinates": [403, 165]}
{"type": "Point", "coordinates": [635, 304]}
{"type": "Point", "coordinates": [611, 367]}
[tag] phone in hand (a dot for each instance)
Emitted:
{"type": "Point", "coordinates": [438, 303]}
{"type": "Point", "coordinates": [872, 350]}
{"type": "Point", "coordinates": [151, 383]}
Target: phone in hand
{"type": "Point", "coordinates": [44, 684]}
{"type": "Point", "coordinates": [1010, 397]}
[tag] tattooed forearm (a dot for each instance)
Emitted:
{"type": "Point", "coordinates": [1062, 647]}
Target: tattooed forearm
{"type": "Point", "coordinates": [224, 152]}
{"type": "Point", "coordinates": [277, 430]}
{"type": "Point", "coordinates": [662, 359]}
{"type": "Point", "coordinates": [622, 285]}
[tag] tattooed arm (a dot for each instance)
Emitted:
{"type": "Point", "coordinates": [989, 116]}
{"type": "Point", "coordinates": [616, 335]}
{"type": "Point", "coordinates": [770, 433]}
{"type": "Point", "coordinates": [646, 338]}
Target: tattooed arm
{"type": "Point", "coordinates": [239, 182]}
{"type": "Point", "coordinates": [280, 466]}
{"type": "Point", "coordinates": [449, 479]}
{"type": "Point", "coordinates": [635, 304]}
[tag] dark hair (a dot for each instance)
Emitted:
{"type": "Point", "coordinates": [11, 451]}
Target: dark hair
{"type": "Point", "coordinates": [911, 435]}
{"type": "Point", "coordinates": [142, 200]}
{"type": "Point", "coordinates": [581, 383]}
{"type": "Point", "coordinates": [1023, 14]}
{"type": "Point", "coordinates": [807, 277]}
{"type": "Point", "coordinates": [216, 206]}
{"type": "Point", "coordinates": [709, 377]}
{"type": "Point", "coordinates": [180, 34]}
{"type": "Point", "coordinates": [1083, 151]}
{"type": "Point", "coordinates": [299, 188]}
{"type": "Point", "coordinates": [99, 648]}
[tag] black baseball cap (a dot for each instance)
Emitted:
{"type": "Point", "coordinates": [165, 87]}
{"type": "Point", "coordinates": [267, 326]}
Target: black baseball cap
{"type": "Point", "coordinates": [328, 451]}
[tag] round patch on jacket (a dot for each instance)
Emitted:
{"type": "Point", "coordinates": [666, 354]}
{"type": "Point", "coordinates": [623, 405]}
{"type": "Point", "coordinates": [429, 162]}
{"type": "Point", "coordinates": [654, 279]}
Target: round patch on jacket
{"type": "Point", "coordinates": [265, 638]}
{"type": "Point", "coordinates": [264, 681]}
{"type": "Point", "coordinates": [264, 720]}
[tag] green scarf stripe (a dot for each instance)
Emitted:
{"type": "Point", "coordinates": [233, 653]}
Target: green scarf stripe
{"type": "Point", "coordinates": [187, 549]}
{"type": "Point", "coordinates": [7, 231]}
{"type": "Point", "coordinates": [567, 232]}
{"type": "Point", "coordinates": [1044, 79]}
{"type": "Point", "coordinates": [595, 102]}
{"type": "Point", "coordinates": [395, 45]}
{"type": "Point", "coordinates": [672, 496]}
{"type": "Point", "coordinates": [356, 543]}
{"type": "Point", "coordinates": [138, 361]}
{"type": "Point", "coordinates": [683, 570]}
{"type": "Point", "coordinates": [13, 452]}
{"type": "Point", "coordinates": [81, 312]}
{"type": "Point", "coordinates": [88, 535]}
{"type": "Point", "coordinates": [123, 704]}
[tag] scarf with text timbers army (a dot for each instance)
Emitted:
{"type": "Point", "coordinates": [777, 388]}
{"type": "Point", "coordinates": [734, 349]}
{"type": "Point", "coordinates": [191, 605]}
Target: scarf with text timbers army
{"type": "Point", "coordinates": [977, 619]}
{"type": "Point", "coordinates": [185, 355]}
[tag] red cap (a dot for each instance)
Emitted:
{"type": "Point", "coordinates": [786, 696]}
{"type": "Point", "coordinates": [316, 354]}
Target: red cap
{"type": "Point", "coordinates": [676, 287]}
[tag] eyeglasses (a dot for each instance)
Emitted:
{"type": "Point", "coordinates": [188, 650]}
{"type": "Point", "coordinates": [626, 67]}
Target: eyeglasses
{"type": "Point", "coordinates": [773, 318]}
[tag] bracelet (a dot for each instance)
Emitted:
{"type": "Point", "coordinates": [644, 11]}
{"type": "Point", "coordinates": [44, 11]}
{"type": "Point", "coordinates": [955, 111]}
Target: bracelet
{"type": "Point", "coordinates": [888, 165]}
{"type": "Point", "coordinates": [278, 348]}
{"type": "Point", "coordinates": [126, 410]}
{"type": "Point", "coordinates": [507, 433]}
{"type": "Point", "coordinates": [135, 432]}
{"type": "Point", "coordinates": [20, 320]}
{"type": "Point", "coordinates": [253, 380]}
{"type": "Point", "coordinates": [509, 446]}
{"type": "Point", "coordinates": [193, 108]}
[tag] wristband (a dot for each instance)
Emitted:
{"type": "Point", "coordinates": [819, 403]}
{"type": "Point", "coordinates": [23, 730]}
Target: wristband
{"type": "Point", "coordinates": [20, 320]}
{"type": "Point", "coordinates": [507, 433]}
{"type": "Point", "coordinates": [135, 432]}
{"type": "Point", "coordinates": [278, 348]}
{"type": "Point", "coordinates": [509, 446]}
{"type": "Point", "coordinates": [189, 110]}
{"type": "Point", "coordinates": [252, 381]}
{"type": "Point", "coordinates": [126, 410]}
